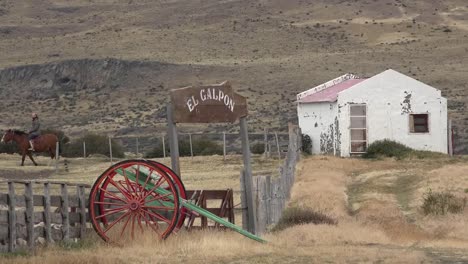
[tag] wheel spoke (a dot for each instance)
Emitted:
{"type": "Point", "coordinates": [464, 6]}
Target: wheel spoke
{"type": "Point", "coordinates": [158, 183]}
{"type": "Point", "coordinates": [139, 223]}
{"type": "Point", "coordinates": [113, 195]}
{"type": "Point", "coordinates": [129, 185]}
{"type": "Point", "coordinates": [116, 221]}
{"type": "Point", "coordinates": [125, 193]}
{"type": "Point", "coordinates": [147, 179]}
{"type": "Point", "coordinates": [125, 226]}
{"type": "Point", "coordinates": [133, 227]}
{"type": "Point", "coordinates": [157, 216]}
{"type": "Point", "coordinates": [108, 203]}
{"type": "Point", "coordinates": [155, 229]}
{"type": "Point", "coordinates": [111, 211]}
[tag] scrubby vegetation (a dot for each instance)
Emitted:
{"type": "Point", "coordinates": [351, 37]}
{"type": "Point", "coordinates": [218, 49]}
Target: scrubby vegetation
{"type": "Point", "coordinates": [95, 144]}
{"type": "Point", "coordinates": [297, 216]}
{"type": "Point", "coordinates": [441, 203]}
{"type": "Point", "coordinates": [201, 147]}
{"type": "Point", "coordinates": [393, 149]}
{"type": "Point", "coordinates": [306, 144]}
{"type": "Point", "coordinates": [258, 148]}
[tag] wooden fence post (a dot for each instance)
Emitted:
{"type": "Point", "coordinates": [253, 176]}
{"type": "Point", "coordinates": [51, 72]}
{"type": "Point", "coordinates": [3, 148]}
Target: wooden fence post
{"type": "Point", "coordinates": [28, 197]}
{"type": "Point", "coordinates": [110, 150]}
{"type": "Point", "coordinates": [247, 174]}
{"type": "Point", "coordinates": [173, 140]}
{"type": "Point", "coordinates": [164, 147]}
{"type": "Point", "coordinates": [47, 220]}
{"type": "Point", "coordinates": [11, 217]}
{"type": "Point", "coordinates": [245, 214]}
{"type": "Point", "coordinates": [137, 146]}
{"type": "Point", "coordinates": [65, 214]}
{"type": "Point", "coordinates": [277, 146]}
{"type": "Point", "coordinates": [450, 139]}
{"type": "Point", "coordinates": [265, 142]}
{"type": "Point", "coordinates": [84, 149]}
{"type": "Point", "coordinates": [191, 146]}
{"type": "Point", "coordinates": [57, 154]}
{"type": "Point", "coordinates": [262, 199]}
{"type": "Point", "coordinates": [224, 146]}
{"type": "Point", "coordinates": [82, 204]}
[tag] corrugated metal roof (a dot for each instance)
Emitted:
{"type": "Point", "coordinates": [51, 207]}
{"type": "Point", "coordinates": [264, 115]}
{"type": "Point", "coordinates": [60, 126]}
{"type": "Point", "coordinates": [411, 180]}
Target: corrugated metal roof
{"type": "Point", "coordinates": [330, 94]}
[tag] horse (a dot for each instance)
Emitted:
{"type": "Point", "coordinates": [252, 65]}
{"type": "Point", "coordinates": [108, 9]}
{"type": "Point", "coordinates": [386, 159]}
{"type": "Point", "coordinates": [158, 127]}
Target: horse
{"type": "Point", "coordinates": [43, 143]}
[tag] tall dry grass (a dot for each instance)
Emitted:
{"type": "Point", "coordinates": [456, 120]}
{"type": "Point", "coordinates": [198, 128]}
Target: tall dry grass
{"type": "Point", "coordinates": [385, 223]}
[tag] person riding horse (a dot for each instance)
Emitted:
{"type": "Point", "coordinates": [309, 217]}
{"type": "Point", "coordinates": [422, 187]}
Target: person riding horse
{"type": "Point", "coordinates": [34, 131]}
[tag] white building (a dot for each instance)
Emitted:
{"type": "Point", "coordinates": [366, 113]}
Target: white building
{"type": "Point", "coordinates": [345, 115]}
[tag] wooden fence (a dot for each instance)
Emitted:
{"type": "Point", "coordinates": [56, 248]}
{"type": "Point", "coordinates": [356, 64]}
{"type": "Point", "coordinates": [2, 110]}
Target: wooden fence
{"type": "Point", "coordinates": [27, 218]}
{"type": "Point", "coordinates": [272, 193]}
{"type": "Point", "coordinates": [60, 213]}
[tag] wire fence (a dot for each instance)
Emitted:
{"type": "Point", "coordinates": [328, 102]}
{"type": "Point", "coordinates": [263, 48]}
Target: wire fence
{"type": "Point", "coordinates": [272, 144]}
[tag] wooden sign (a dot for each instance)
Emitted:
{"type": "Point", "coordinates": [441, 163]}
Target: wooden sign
{"type": "Point", "coordinates": [208, 104]}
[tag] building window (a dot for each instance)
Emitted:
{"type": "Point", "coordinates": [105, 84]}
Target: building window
{"type": "Point", "coordinates": [419, 123]}
{"type": "Point", "coordinates": [358, 128]}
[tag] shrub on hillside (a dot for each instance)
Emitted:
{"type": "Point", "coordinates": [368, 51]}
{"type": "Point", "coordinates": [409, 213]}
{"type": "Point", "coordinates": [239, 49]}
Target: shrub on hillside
{"type": "Point", "coordinates": [201, 147]}
{"type": "Point", "coordinates": [387, 148]}
{"type": "Point", "coordinates": [306, 144]}
{"type": "Point", "coordinates": [441, 203]}
{"type": "Point", "coordinates": [157, 152]}
{"type": "Point", "coordinates": [95, 144]}
{"type": "Point", "coordinates": [62, 138]}
{"type": "Point", "coordinates": [258, 148]}
{"type": "Point", "coordinates": [297, 216]}
{"type": "Point", "coordinates": [9, 148]}
{"type": "Point", "coordinates": [390, 148]}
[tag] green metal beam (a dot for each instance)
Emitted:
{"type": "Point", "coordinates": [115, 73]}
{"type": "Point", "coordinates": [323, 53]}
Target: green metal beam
{"type": "Point", "coordinates": [184, 203]}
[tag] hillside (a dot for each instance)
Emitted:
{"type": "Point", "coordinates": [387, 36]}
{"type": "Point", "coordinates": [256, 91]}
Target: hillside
{"type": "Point", "coordinates": [108, 65]}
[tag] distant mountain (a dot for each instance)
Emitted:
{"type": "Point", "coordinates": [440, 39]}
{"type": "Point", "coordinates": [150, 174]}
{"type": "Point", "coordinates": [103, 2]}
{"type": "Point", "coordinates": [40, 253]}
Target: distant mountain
{"type": "Point", "coordinates": [108, 65]}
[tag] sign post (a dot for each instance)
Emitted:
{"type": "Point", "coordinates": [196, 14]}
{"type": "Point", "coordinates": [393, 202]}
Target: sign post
{"type": "Point", "coordinates": [212, 104]}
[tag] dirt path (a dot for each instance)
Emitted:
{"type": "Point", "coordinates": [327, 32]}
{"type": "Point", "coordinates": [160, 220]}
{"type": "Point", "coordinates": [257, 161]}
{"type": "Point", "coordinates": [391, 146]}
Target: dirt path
{"type": "Point", "coordinates": [377, 203]}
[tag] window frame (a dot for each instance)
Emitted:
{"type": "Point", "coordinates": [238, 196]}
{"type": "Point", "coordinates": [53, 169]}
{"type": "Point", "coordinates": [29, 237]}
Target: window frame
{"type": "Point", "coordinates": [351, 152]}
{"type": "Point", "coordinates": [411, 125]}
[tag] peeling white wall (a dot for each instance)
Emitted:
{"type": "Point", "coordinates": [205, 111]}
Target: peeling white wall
{"type": "Point", "coordinates": [388, 111]}
{"type": "Point", "coordinates": [318, 121]}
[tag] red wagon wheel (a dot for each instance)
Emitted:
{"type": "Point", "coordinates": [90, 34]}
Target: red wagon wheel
{"type": "Point", "coordinates": [180, 188]}
{"type": "Point", "coordinates": [134, 196]}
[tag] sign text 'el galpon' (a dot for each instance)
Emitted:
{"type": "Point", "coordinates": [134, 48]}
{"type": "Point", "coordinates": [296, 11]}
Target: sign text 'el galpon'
{"type": "Point", "coordinates": [210, 94]}
{"type": "Point", "coordinates": [208, 104]}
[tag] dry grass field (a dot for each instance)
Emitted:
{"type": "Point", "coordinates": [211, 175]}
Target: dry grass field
{"type": "Point", "coordinates": [377, 205]}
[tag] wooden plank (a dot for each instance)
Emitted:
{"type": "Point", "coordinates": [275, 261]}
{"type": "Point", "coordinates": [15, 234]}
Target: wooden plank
{"type": "Point", "coordinates": [28, 191]}
{"type": "Point", "coordinates": [245, 224]}
{"type": "Point", "coordinates": [224, 146]}
{"type": "Point", "coordinates": [47, 220]}
{"type": "Point", "coordinates": [55, 200]}
{"type": "Point", "coordinates": [12, 217]}
{"type": "Point", "coordinates": [231, 206]}
{"type": "Point", "coordinates": [450, 139]}
{"type": "Point", "coordinates": [82, 202]}
{"type": "Point", "coordinates": [173, 140]}
{"type": "Point", "coordinates": [4, 199]}
{"type": "Point", "coordinates": [65, 214]}
{"type": "Point", "coordinates": [3, 217]}
{"type": "Point", "coordinates": [204, 220]}
{"type": "Point", "coordinates": [277, 146]}
{"type": "Point", "coordinates": [210, 194]}
{"type": "Point", "coordinates": [247, 175]}
{"type": "Point", "coordinates": [268, 201]}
